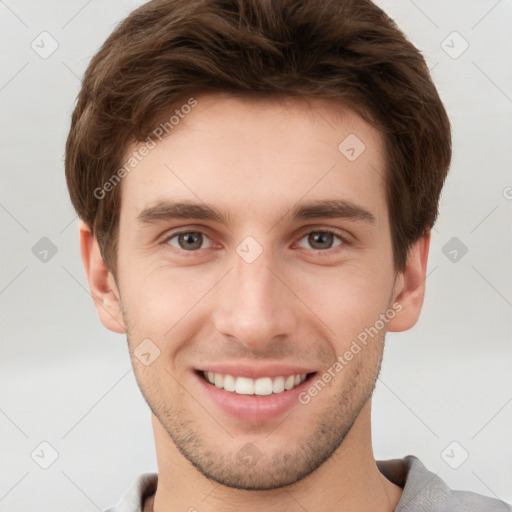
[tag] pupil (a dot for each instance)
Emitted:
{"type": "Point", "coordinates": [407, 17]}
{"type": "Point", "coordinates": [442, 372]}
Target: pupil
{"type": "Point", "coordinates": [321, 240]}
{"type": "Point", "coordinates": [190, 241]}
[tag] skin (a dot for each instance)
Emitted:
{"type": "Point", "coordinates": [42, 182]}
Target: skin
{"type": "Point", "coordinates": [299, 302]}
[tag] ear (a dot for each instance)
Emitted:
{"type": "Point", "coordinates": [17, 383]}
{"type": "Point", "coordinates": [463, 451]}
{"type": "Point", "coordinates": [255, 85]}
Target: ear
{"type": "Point", "coordinates": [410, 286]}
{"type": "Point", "coordinates": [101, 282]}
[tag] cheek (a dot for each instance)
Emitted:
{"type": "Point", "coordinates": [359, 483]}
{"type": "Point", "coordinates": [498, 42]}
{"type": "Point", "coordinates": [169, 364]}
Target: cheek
{"type": "Point", "coordinates": [159, 298]}
{"type": "Point", "coordinates": [346, 299]}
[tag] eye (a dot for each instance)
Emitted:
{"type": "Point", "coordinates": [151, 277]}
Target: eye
{"type": "Point", "coordinates": [321, 240]}
{"type": "Point", "coordinates": [188, 240]}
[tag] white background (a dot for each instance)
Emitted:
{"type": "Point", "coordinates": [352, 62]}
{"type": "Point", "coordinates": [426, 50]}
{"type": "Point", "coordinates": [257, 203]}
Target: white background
{"type": "Point", "coordinates": [67, 381]}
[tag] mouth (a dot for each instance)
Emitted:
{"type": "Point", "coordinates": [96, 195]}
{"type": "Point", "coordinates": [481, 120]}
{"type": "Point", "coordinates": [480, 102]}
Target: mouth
{"type": "Point", "coordinates": [255, 396]}
{"type": "Point", "coordinates": [262, 386]}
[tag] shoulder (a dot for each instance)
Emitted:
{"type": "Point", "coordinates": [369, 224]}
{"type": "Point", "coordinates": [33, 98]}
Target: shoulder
{"type": "Point", "coordinates": [465, 501]}
{"type": "Point", "coordinates": [133, 500]}
{"type": "Point", "coordinates": [424, 491]}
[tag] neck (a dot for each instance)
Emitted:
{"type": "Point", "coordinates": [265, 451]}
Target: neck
{"type": "Point", "coordinates": [349, 480]}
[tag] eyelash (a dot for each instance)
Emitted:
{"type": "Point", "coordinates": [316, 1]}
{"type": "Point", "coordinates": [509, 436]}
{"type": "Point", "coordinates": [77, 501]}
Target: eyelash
{"type": "Point", "coordinates": [322, 252]}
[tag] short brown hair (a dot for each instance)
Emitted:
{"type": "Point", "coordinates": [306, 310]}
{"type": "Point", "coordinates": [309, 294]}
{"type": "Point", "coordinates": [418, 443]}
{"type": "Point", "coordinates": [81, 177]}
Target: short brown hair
{"type": "Point", "coordinates": [349, 51]}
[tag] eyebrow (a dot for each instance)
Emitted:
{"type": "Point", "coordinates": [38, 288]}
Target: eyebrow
{"type": "Point", "coordinates": [327, 209]}
{"type": "Point", "coordinates": [330, 209]}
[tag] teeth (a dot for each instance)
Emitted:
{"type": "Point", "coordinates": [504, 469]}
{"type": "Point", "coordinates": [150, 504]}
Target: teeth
{"type": "Point", "coordinates": [245, 386]}
{"type": "Point", "coordinates": [289, 382]}
{"type": "Point", "coordinates": [229, 383]}
{"type": "Point", "coordinates": [263, 386]}
{"type": "Point", "coordinates": [219, 380]}
{"type": "Point", "coordinates": [278, 385]}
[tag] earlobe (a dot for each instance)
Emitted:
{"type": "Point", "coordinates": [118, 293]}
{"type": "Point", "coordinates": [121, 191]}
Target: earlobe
{"type": "Point", "coordinates": [410, 286]}
{"type": "Point", "coordinates": [101, 282]}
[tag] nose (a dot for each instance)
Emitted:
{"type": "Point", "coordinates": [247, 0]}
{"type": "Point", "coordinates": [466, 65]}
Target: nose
{"type": "Point", "coordinates": [254, 305]}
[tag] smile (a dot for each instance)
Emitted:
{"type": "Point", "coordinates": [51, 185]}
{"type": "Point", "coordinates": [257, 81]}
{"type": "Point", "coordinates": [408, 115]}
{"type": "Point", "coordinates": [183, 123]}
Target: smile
{"type": "Point", "coordinates": [262, 386]}
{"type": "Point", "coordinates": [252, 393]}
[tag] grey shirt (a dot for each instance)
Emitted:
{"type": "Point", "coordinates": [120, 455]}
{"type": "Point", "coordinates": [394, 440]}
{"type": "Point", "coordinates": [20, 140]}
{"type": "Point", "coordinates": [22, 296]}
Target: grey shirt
{"type": "Point", "coordinates": [423, 491]}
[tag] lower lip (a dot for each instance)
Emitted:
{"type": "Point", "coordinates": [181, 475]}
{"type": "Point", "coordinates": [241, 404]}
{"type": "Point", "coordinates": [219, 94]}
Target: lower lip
{"type": "Point", "coordinates": [253, 407]}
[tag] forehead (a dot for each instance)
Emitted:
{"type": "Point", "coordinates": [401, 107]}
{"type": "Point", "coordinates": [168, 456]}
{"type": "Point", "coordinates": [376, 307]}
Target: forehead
{"type": "Point", "coordinates": [261, 154]}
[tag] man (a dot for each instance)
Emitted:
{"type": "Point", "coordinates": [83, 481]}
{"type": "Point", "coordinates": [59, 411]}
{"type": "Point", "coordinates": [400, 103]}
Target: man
{"type": "Point", "coordinates": [257, 181]}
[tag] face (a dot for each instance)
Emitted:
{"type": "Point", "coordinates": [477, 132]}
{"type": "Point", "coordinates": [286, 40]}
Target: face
{"type": "Point", "coordinates": [255, 252]}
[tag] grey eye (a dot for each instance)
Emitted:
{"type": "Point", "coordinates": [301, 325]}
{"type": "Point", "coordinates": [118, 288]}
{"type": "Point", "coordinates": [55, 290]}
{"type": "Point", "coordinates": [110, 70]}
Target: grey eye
{"type": "Point", "coordinates": [321, 240]}
{"type": "Point", "coordinates": [188, 240]}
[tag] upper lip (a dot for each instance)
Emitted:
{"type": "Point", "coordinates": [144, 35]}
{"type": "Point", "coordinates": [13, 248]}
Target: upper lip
{"type": "Point", "coordinates": [255, 371]}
